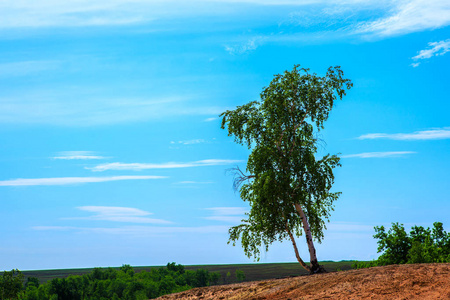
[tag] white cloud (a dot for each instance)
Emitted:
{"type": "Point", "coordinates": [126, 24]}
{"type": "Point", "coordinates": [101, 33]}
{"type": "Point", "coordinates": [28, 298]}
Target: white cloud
{"type": "Point", "coordinates": [120, 214]}
{"type": "Point", "coordinates": [415, 65]}
{"type": "Point", "coordinates": [61, 108]}
{"type": "Point", "coordinates": [137, 230]}
{"type": "Point", "coordinates": [71, 180]}
{"type": "Point", "coordinates": [169, 165]}
{"type": "Point", "coordinates": [47, 13]}
{"type": "Point", "coordinates": [379, 154]}
{"type": "Point", "coordinates": [210, 119]}
{"type": "Point", "coordinates": [395, 17]}
{"type": "Point", "coordinates": [75, 13]}
{"type": "Point", "coordinates": [227, 214]}
{"type": "Point", "coordinates": [194, 182]}
{"type": "Point", "coordinates": [246, 46]}
{"type": "Point", "coordinates": [190, 142]}
{"type": "Point", "coordinates": [433, 134]}
{"type": "Point", "coordinates": [56, 228]}
{"type": "Point", "coordinates": [435, 49]}
{"type": "Point", "coordinates": [22, 68]}
{"type": "Point", "coordinates": [69, 155]}
{"type": "Point", "coordinates": [409, 16]}
{"type": "Point", "coordinates": [349, 227]}
{"type": "Point", "coordinates": [229, 219]}
{"type": "Point", "coordinates": [223, 211]}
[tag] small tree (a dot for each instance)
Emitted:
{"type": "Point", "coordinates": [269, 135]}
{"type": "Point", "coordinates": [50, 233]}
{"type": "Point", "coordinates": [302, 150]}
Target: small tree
{"type": "Point", "coordinates": [228, 277]}
{"type": "Point", "coordinates": [240, 276]}
{"type": "Point", "coordinates": [288, 189]}
{"type": "Point", "coordinates": [214, 278]}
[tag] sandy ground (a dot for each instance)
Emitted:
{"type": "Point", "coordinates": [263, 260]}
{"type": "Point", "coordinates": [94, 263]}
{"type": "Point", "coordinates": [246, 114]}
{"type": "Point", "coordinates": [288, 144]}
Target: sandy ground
{"type": "Point", "coordinates": [419, 281]}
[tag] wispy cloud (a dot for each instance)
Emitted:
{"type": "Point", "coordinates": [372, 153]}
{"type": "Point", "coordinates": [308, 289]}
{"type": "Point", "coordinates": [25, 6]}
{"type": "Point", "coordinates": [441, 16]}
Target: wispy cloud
{"type": "Point", "coordinates": [50, 13]}
{"type": "Point", "coordinates": [61, 108]}
{"type": "Point", "coordinates": [22, 68]}
{"type": "Point", "coordinates": [193, 182]}
{"type": "Point", "coordinates": [71, 180]}
{"type": "Point", "coordinates": [69, 155]}
{"type": "Point", "coordinates": [433, 134]}
{"type": "Point", "coordinates": [190, 142]}
{"type": "Point", "coordinates": [227, 214]}
{"type": "Point", "coordinates": [245, 46]}
{"type": "Point", "coordinates": [434, 49]}
{"type": "Point", "coordinates": [409, 16]}
{"type": "Point", "coordinates": [397, 17]}
{"type": "Point", "coordinates": [169, 165]}
{"type": "Point", "coordinates": [76, 13]}
{"type": "Point", "coordinates": [379, 154]}
{"type": "Point", "coordinates": [210, 119]}
{"type": "Point", "coordinates": [349, 227]}
{"type": "Point", "coordinates": [137, 231]}
{"type": "Point", "coordinates": [119, 214]}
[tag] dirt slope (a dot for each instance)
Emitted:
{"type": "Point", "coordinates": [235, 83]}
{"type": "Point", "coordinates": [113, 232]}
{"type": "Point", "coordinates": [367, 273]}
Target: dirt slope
{"type": "Point", "coordinates": [419, 281]}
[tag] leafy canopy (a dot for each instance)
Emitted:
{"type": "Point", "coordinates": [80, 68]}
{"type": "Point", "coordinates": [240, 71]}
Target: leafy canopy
{"type": "Point", "coordinates": [280, 129]}
{"type": "Point", "coordinates": [421, 245]}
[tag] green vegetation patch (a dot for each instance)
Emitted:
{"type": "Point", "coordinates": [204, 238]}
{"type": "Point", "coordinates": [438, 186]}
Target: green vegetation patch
{"type": "Point", "coordinates": [419, 246]}
{"type": "Point", "coordinates": [107, 283]}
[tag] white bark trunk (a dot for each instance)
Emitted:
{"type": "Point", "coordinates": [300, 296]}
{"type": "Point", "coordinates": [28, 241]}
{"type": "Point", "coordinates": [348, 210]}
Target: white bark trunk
{"type": "Point", "coordinates": [314, 265]}
{"type": "Point", "coordinates": [294, 244]}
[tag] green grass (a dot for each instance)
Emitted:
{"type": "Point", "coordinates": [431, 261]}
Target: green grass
{"type": "Point", "coordinates": [255, 271]}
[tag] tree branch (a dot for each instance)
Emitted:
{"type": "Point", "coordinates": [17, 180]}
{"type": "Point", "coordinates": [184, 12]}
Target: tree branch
{"type": "Point", "coordinates": [239, 177]}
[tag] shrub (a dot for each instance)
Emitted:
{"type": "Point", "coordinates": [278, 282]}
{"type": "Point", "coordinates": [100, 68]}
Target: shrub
{"type": "Point", "coordinates": [420, 246]}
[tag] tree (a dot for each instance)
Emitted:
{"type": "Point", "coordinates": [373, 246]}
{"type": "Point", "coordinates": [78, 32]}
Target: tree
{"type": "Point", "coordinates": [228, 277]}
{"type": "Point", "coordinates": [11, 284]}
{"type": "Point", "coordinates": [288, 189]}
{"type": "Point", "coordinates": [214, 278]}
{"type": "Point", "coordinates": [240, 276]}
{"type": "Point", "coordinates": [395, 243]}
{"type": "Point", "coordinates": [420, 246]}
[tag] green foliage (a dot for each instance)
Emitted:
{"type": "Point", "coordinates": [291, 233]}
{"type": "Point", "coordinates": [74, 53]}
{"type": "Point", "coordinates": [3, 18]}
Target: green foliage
{"type": "Point", "coordinates": [281, 131]}
{"type": "Point", "coordinates": [109, 283]}
{"type": "Point", "coordinates": [227, 278]}
{"type": "Point", "coordinates": [364, 264]}
{"type": "Point", "coordinates": [176, 268]}
{"type": "Point", "coordinates": [420, 246]}
{"type": "Point", "coordinates": [214, 278]}
{"type": "Point", "coordinates": [240, 276]}
{"type": "Point", "coordinates": [32, 281]}
{"type": "Point", "coordinates": [395, 244]}
{"type": "Point", "coordinates": [11, 284]}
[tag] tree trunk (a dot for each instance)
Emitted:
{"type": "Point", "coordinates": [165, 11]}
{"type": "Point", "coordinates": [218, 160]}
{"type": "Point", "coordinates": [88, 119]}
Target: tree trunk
{"type": "Point", "coordinates": [314, 264]}
{"type": "Point", "coordinates": [302, 263]}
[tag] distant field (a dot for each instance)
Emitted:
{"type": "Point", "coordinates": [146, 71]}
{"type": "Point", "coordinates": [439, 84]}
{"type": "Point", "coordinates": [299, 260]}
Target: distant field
{"type": "Point", "coordinates": [252, 272]}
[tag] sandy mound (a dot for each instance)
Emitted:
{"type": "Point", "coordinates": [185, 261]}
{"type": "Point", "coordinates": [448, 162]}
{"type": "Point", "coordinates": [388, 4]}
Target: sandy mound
{"type": "Point", "coordinates": [418, 281]}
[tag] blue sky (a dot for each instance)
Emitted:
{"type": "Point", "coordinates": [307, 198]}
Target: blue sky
{"type": "Point", "coordinates": [111, 150]}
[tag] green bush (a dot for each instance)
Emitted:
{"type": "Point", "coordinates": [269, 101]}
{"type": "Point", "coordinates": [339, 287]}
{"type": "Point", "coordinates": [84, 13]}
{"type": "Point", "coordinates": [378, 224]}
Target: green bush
{"type": "Point", "coordinates": [420, 246]}
{"type": "Point", "coordinates": [240, 276]}
{"type": "Point", "coordinates": [11, 284]}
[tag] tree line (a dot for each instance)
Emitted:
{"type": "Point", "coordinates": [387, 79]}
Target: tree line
{"type": "Point", "coordinates": [110, 283]}
{"type": "Point", "coordinates": [421, 245]}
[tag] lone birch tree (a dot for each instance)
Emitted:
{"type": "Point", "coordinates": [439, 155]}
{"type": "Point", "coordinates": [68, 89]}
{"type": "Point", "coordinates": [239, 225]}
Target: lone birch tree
{"type": "Point", "coordinates": [285, 184]}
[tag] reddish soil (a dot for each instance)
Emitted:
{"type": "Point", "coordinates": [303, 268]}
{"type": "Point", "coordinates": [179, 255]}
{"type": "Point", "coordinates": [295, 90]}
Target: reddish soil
{"type": "Point", "coordinates": [419, 281]}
